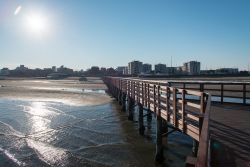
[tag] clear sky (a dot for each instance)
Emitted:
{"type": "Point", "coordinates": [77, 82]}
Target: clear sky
{"type": "Point", "coordinates": [110, 33]}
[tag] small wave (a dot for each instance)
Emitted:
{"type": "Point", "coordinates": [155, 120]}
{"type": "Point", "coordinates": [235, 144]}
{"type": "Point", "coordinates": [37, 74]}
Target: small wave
{"type": "Point", "coordinates": [99, 145]}
{"type": "Point", "coordinates": [12, 157]}
{"type": "Point", "coordinates": [61, 112]}
{"type": "Point", "coordinates": [48, 153]}
{"type": "Point", "coordinates": [44, 111]}
{"type": "Point", "coordinates": [11, 130]}
{"type": "Point", "coordinates": [93, 131]}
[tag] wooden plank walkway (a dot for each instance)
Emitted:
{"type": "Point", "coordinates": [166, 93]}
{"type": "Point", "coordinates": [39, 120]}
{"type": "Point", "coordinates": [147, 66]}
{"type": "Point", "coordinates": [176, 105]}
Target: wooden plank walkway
{"type": "Point", "coordinates": [230, 133]}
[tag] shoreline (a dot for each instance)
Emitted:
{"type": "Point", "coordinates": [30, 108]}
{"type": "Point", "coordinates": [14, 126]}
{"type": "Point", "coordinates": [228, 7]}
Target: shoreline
{"type": "Point", "coordinates": [70, 91]}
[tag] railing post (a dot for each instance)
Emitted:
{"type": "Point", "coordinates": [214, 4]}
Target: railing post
{"type": "Point", "coordinates": [201, 118]}
{"type": "Point", "coordinates": [134, 89]}
{"type": "Point", "coordinates": [183, 111]}
{"type": "Point", "coordinates": [244, 93]}
{"type": "Point", "coordinates": [221, 93]}
{"type": "Point", "coordinates": [130, 89]}
{"type": "Point", "coordinates": [202, 103]}
{"type": "Point", "coordinates": [142, 94]}
{"type": "Point", "coordinates": [120, 92]}
{"type": "Point", "coordinates": [127, 83]}
{"type": "Point", "coordinates": [168, 104]}
{"type": "Point", "coordinates": [201, 87]}
{"type": "Point", "coordinates": [175, 123]}
{"type": "Point", "coordinates": [138, 92]}
{"type": "Point", "coordinates": [164, 122]}
{"type": "Point", "coordinates": [148, 97]}
{"type": "Point", "coordinates": [154, 99]}
{"type": "Point", "coordinates": [145, 95]}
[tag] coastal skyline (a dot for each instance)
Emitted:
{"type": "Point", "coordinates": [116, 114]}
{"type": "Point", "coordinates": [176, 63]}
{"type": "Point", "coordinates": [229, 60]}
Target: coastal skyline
{"type": "Point", "coordinates": [111, 33]}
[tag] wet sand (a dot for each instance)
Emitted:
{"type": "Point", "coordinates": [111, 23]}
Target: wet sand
{"type": "Point", "coordinates": [70, 91]}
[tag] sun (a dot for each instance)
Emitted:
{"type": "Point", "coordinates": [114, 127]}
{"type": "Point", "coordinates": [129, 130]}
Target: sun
{"type": "Point", "coordinates": [36, 23]}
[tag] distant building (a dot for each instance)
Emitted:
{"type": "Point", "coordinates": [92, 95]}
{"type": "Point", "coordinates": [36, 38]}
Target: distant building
{"type": "Point", "coordinates": [22, 68]}
{"type": "Point", "coordinates": [134, 67]}
{"type": "Point", "coordinates": [65, 70]}
{"type": "Point", "coordinates": [179, 70]}
{"type": "Point", "coordinates": [171, 70]}
{"type": "Point", "coordinates": [103, 70]}
{"type": "Point", "coordinates": [125, 71]}
{"type": "Point", "coordinates": [208, 72]}
{"type": "Point", "coordinates": [146, 68]}
{"type": "Point", "coordinates": [4, 71]}
{"type": "Point", "coordinates": [192, 68]}
{"type": "Point", "coordinates": [227, 71]}
{"type": "Point", "coordinates": [53, 68]}
{"type": "Point", "coordinates": [94, 70]}
{"type": "Point", "coordinates": [160, 68]}
{"type": "Point", "coordinates": [120, 69]}
{"type": "Point", "coordinates": [111, 71]}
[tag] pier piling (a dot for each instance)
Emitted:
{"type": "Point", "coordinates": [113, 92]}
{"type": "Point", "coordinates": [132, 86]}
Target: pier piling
{"type": "Point", "coordinates": [149, 119]}
{"type": "Point", "coordinates": [140, 120]}
{"type": "Point", "coordinates": [131, 104]}
{"type": "Point", "coordinates": [195, 147]}
{"type": "Point", "coordinates": [159, 147]}
{"type": "Point", "coordinates": [123, 102]}
{"type": "Point", "coordinates": [120, 97]}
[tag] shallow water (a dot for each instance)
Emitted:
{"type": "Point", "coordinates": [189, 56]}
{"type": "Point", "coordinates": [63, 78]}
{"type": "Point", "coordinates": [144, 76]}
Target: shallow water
{"type": "Point", "coordinates": [50, 133]}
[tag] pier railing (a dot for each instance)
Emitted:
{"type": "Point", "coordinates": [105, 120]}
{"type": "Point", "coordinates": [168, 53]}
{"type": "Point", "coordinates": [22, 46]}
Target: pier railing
{"type": "Point", "coordinates": [221, 91]}
{"type": "Point", "coordinates": [184, 110]}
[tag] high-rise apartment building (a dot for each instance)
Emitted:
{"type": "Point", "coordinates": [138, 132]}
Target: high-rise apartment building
{"type": "Point", "coordinates": [134, 67]}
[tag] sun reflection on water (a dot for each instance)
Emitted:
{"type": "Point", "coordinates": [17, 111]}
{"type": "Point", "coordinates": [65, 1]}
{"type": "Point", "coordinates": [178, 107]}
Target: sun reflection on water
{"type": "Point", "coordinates": [40, 114]}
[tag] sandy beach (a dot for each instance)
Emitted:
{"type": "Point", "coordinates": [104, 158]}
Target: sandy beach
{"type": "Point", "coordinates": [70, 91]}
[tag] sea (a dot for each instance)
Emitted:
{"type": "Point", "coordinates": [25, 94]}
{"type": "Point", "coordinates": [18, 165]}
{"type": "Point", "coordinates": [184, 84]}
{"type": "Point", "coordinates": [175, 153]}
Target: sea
{"type": "Point", "coordinates": [43, 133]}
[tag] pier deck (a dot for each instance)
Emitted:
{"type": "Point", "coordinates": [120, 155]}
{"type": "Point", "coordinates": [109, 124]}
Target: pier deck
{"type": "Point", "coordinates": [230, 133]}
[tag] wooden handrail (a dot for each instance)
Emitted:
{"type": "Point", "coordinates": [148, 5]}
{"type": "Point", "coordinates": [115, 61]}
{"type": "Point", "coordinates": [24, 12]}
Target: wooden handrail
{"type": "Point", "coordinates": [203, 156]}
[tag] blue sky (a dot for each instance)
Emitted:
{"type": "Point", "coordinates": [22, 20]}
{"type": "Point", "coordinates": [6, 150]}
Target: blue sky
{"type": "Point", "coordinates": [111, 33]}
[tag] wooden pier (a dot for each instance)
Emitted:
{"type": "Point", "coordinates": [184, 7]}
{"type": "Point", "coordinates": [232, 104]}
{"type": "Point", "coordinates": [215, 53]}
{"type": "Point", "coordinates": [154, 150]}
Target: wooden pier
{"type": "Point", "coordinates": [220, 130]}
{"type": "Point", "coordinates": [183, 110]}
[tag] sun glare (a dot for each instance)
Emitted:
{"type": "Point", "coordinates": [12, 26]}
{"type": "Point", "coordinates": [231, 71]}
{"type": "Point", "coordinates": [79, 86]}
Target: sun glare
{"type": "Point", "coordinates": [36, 24]}
{"type": "Point", "coordinates": [18, 9]}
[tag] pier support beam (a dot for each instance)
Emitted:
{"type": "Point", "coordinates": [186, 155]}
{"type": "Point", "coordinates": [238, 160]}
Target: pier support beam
{"type": "Point", "coordinates": [123, 102]}
{"type": "Point", "coordinates": [164, 126]}
{"type": "Point", "coordinates": [165, 131]}
{"type": "Point", "coordinates": [131, 104]}
{"type": "Point", "coordinates": [120, 97]}
{"type": "Point", "coordinates": [140, 120]}
{"type": "Point", "coordinates": [149, 118]}
{"type": "Point", "coordinates": [159, 147]}
{"type": "Point", "coordinates": [195, 147]}
{"type": "Point", "coordinates": [116, 92]}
